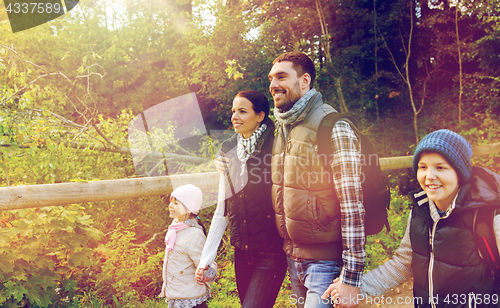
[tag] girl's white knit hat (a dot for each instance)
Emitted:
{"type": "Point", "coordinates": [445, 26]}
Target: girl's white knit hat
{"type": "Point", "coordinates": [190, 196]}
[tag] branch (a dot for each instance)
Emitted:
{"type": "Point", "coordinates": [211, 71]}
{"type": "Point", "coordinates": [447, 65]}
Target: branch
{"type": "Point", "coordinates": [90, 74]}
{"type": "Point", "coordinates": [47, 73]}
{"type": "Point", "coordinates": [154, 237]}
{"type": "Point", "coordinates": [22, 59]}
{"type": "Point", "coordinates": [392, 56]}
{"type": "Point", "coordinates": [83, 130]}
{"type": "Point", "coordinates": [470, 116]}
{"type": "Point", "coordinates": [176, 146]}
{"type": "Point", "coordinates": [102, 135]}
{"type": "Point", "coordinates": [73, 84]}
{"type": "Point", "coordinates": [489, 77]}
{"type": "Point", "coordinates": [192, 160]}
{"type": "Point", "coordinates": [122, 150]}
{"type": "Point", "coordinates": [423, 95]}
{"type": "Point", "coordinates": [22, 89]}
{"type": "Point", "coordinates": [63, 119]}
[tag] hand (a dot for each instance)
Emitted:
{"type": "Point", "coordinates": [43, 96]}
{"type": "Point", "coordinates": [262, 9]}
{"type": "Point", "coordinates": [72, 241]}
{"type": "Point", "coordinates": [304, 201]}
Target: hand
{"type": "Point", "coordinates": [221, 163]}
{"type": "Point", "coordinates": [200, 275]}
{"type": "Point", "coordinates": [342, 295]}
{"type": "Point", "coordinates": [332, 289]}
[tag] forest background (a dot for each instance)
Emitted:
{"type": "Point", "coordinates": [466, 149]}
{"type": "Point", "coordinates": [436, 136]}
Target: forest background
{"type": "Point", "coordinates": [70, 88]}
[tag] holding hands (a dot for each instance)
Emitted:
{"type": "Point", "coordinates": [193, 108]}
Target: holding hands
{"type": "Point", "coordinates": [200, 275]}
{"type": "Point", "coordinates": [207, 274]}
{"type": "Point", "coordinates": [342, 295]}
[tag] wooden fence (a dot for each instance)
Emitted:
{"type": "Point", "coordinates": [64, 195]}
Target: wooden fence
{"type": "Point", "coordinates": [28, 196]}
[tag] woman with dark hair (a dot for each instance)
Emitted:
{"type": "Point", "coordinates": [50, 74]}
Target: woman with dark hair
{"type": "Point", "coordinates": [245, 204]}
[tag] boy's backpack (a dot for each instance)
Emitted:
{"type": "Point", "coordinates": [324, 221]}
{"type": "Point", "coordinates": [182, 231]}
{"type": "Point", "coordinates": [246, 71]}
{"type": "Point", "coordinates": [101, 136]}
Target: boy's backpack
{"type": "Point", "coordinates": [484, 236]}
{"type": "Point", "coordinates": [376, 193]}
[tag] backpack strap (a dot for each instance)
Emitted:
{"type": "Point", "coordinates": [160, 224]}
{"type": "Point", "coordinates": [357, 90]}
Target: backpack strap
{"type": "Point", "coordinates": [484, 236]}
{"type": "Point", "coordinates": [376, 192]}
{"type": "Point", "coordinates": [324, 136]}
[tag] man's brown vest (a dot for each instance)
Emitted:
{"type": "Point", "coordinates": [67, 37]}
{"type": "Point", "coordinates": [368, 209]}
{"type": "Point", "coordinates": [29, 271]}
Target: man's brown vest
{"type": "Point", "coordinates": [304, 199]}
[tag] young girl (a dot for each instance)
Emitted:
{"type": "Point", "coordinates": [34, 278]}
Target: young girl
{"type": "Point", "coordinates": [183, 245]}
{"type": "Point", "coordinates": [438, 248]}
{"type": "Point", "coordinates": [245, 205]}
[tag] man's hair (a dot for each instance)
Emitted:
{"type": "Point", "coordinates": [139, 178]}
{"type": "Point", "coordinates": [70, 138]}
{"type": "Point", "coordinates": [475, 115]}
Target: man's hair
{"type": "Point", "coordinates": [301, 63]}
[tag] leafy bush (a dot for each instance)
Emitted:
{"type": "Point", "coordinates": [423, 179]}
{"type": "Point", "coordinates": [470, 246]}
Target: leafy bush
{"type": "Point", "coordinates": [380, 247]}
{"type": "Point", "coordinates": [127, 271]}
{"type": "Point", "coordinates": [487, 133]}
{"type": "Point", "coordinates": [43, 252]}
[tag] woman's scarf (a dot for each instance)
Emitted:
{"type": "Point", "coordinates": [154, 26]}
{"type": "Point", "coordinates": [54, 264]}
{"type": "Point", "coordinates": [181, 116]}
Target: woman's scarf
{"type": "Point", "coordinates": [246, 147]}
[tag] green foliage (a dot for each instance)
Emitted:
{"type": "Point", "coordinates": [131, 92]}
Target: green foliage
{"type": "Point", "coordinates": [381, 247]}
{"type": "Point", "coordinates": [224, 288]}
{"type": "Point", "coordinates": [126, 271]}
{"type": "Point", "coordinates": [70, 87]}
{"type": "Point", "coordinates": [487, 133]}
{"type": "Point", "coordinates": [284, 297]}
{"type": "Point", "coordinates": [43, 251]}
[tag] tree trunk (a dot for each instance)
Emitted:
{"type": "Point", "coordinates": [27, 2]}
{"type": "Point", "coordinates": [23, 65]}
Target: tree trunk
{"type": "Point", "coordinates": [461, 90]}
{"type": "Point", "coordinates": [406, 75]}
{"type": "Point", "coordinates": [375, 54]}
{"type": "Point", "coordinates": [328, 56]}
{"type": "Point", "coordinates": [408, 81]}
{"type": "Point", "coordinates": [340, 94]}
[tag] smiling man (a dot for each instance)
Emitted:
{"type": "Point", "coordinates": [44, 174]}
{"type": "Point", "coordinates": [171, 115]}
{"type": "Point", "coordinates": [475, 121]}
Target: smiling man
{"type": "Point", "coordinates": [319, 209]}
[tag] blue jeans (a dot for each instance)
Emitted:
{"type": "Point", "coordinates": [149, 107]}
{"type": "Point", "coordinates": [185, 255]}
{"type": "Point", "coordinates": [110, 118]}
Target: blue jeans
{"type": "Point", "coordinates": [259, 277]}
{"type": "Point", "coordinates": [310, 279]}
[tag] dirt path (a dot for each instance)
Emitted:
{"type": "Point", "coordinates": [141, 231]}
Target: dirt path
{"type": "Point", "coordinates": [401, 297]}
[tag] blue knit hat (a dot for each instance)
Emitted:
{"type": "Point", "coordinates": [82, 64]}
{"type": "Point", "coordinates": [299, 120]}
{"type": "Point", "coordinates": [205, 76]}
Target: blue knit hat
{"type": "Point", "coordinates": [452, 146]}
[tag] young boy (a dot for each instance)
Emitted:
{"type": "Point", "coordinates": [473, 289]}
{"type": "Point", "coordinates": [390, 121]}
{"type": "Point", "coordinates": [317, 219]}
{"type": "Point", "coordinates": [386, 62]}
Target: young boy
{"type": "Point", "coordinates": [438, 248]}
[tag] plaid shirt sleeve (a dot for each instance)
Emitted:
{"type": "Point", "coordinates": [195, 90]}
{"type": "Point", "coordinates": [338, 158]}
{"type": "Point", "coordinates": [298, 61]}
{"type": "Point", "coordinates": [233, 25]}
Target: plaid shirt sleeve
{"type": "Point", "coordinates": [346, 166]}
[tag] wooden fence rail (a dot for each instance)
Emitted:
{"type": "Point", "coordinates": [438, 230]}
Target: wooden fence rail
{"type": "Point", "coordinates": [28, 196]}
